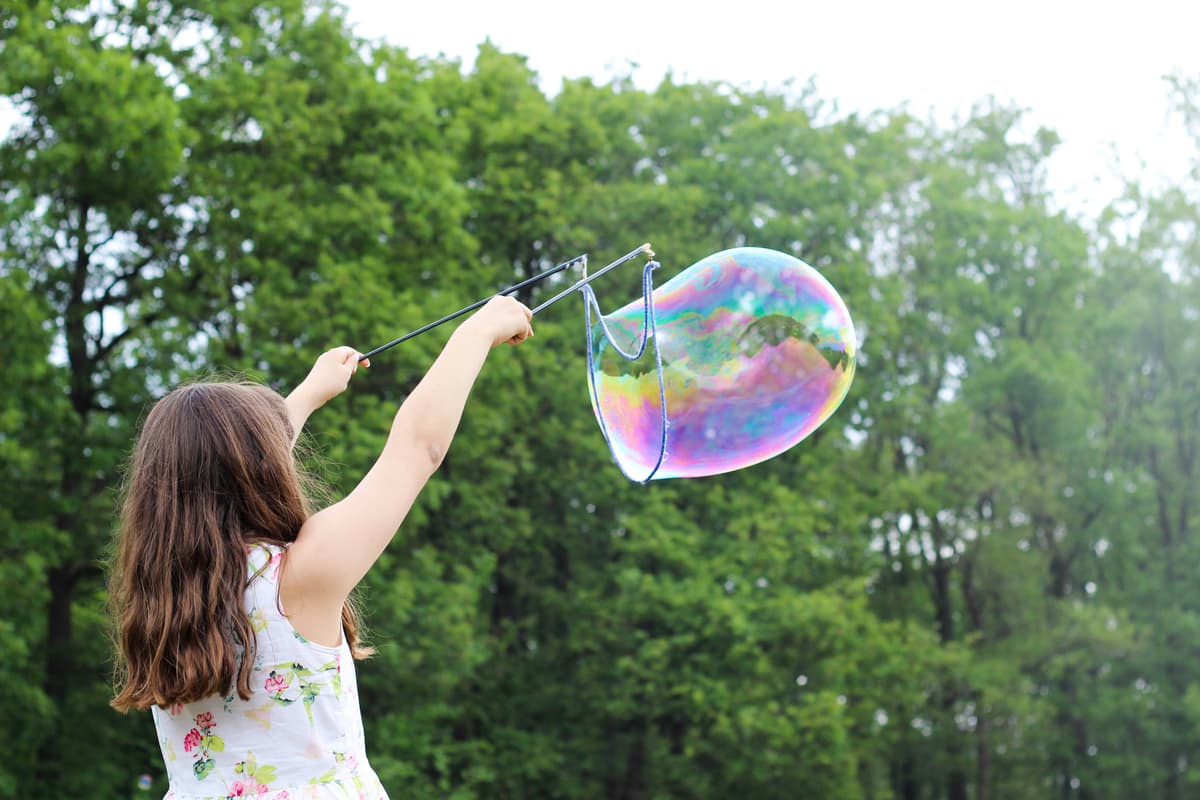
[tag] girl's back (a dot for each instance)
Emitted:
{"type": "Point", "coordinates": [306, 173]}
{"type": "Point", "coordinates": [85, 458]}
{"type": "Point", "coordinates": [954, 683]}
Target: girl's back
{"type": "Point", "coordinates": [299, 735]}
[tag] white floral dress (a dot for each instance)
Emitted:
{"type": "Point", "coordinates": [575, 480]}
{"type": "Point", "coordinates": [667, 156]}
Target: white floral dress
{"type": "Point", "coordinates": [298, 737]}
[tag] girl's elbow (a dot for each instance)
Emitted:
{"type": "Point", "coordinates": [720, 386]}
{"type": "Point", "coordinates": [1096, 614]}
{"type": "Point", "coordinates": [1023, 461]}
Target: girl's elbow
{"type": "Point", "coordinates": [415, 447]}
{"type": "Point", "coordinates": [434, 453]}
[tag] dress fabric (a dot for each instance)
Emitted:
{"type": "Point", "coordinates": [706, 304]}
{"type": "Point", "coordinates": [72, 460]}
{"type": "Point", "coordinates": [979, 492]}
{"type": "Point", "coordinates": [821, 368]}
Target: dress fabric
{"type": "Point", "coordinates": [298, 737]}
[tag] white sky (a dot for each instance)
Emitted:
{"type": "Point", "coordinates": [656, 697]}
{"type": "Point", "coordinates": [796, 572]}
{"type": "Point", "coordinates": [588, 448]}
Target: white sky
{"type": "Point", "coordinates": [1090, 70]}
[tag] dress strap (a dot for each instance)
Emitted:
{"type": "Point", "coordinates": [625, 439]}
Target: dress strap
{"type": "Point", "coordinates": [263, 562]}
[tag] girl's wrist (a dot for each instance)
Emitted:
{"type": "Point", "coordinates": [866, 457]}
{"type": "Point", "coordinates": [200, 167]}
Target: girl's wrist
{"type": "Point", "coordinates": [472, 331]}
{"type": "Point", "coordinates": [305, 398]}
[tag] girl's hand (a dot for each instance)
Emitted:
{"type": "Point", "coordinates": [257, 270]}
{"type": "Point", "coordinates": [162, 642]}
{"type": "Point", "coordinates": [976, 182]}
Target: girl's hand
{"type": "Point", "coordinates": [327, 379]}
{"type": "Point", "coordinates": [503, 319]}
{"type": "Point", "coordinates": [330, 375]}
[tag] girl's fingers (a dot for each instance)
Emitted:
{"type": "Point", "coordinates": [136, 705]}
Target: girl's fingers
{"type": "Point", "coordinates": [348, 355]}
{"type": "Point", "coordinates": [520, 337]}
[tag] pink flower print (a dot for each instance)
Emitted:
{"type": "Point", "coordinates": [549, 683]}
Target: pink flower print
{"type": "Point", "coordinates": [237, 789]}
{"type": "Point", "coordinates": [205, 720]}
{"type": "Point", "coordinates": [191, 741]}
{"type": "Point", "coordinates": [276, 563]}
{"type": "Point", "coordinates": [176, 709]}
{"type": "Point", "coordinates": [262, 789]}
{"type": "Point", "coordinates": [282, 795]}
{"type": "Point", "coordinates": [276, 684]}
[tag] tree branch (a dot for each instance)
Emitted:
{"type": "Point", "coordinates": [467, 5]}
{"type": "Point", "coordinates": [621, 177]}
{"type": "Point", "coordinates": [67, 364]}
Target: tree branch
{"type": "Point", "coordinates": [128, 277]}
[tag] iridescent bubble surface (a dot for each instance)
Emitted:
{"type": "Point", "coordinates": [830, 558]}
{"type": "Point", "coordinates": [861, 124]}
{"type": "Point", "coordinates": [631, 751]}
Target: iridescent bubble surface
{"type": "Point", "coordinates": [757, 351]}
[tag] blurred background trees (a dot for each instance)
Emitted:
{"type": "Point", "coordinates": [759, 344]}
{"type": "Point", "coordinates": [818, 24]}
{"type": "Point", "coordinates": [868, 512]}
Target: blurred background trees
{"type": "Point", "coordinates": [975, 582]}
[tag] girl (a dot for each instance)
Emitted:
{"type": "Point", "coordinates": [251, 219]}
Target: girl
{"type": "Point", "coordinates": [232, 603]}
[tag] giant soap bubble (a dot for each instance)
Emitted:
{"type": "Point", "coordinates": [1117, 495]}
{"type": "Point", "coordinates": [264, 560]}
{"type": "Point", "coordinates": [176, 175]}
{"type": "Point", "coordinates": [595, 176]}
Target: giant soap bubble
{"type": "Point", "coordinates": [735, 360]}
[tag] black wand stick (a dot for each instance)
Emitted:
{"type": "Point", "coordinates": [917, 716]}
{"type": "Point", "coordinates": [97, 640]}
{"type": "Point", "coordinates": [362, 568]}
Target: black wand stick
{"type": "Point", "coordinates": [514, 288]}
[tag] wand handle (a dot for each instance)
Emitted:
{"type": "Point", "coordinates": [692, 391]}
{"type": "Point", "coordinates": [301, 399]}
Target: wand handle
{"type": "Point", "coordinates": [514, 288]}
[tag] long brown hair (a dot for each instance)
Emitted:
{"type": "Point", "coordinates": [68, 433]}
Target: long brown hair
{"type": "Point", "coordinates": [212, 473]}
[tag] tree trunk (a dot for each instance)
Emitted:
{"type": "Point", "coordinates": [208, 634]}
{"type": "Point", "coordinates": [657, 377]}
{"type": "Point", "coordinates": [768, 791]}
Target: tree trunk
{"type": "Point", "coordinates": [956, 784]}
{"type": "Point", "coordinates": [627, 783]}
{"type": "Point", "coordinates": [61, 582]}
{"type": "Point", "coordinates": [1171, 784]}
{"type": "Point", "coordinates": [983, 758]}
{"type": "Point", "coordinates": [904, 780]}
{"type": "Point", "coordinates": [942, 602]}
{"type": "Point", "coordinates": [633, 785]}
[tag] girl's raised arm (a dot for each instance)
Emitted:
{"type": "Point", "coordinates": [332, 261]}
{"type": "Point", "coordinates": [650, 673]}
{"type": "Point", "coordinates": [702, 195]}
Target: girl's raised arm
{"type": "Point", "coordinates": [337, 546]}
{"type": "Point", "coordinates": [328, 378]}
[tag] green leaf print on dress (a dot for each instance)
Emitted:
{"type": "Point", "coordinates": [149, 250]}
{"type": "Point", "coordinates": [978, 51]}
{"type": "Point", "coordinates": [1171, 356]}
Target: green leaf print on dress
{"type": "Point", "coordinates": [258, 620]}
{"type": "Point", "coordinates": [291, 682]}
{"type": "Point", "coordinates": [202, 742]}
{"type": "Point", "coordinates": [342, 759]}
{"type": "Point", "coordinates": [254, 778]}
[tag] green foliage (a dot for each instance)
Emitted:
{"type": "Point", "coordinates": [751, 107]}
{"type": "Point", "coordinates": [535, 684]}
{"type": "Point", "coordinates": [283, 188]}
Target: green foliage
{"type": "Point", "coordinates": [972, 583]}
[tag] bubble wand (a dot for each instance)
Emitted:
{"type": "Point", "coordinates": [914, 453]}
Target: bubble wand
{"type": "Point", "coordinates": [517, 287]}
{"type": "Point", "coordinates": [586, 279]}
